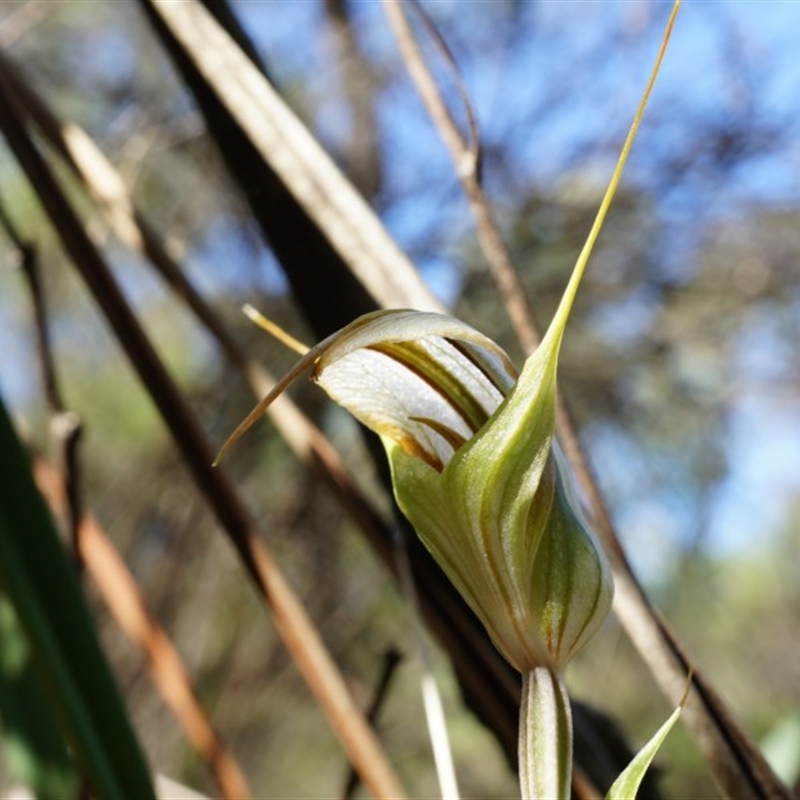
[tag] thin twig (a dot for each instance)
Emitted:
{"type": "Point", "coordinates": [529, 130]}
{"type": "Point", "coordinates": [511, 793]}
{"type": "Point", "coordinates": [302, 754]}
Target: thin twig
{"type": "Point", "coordinates": [465, 156]}
{"type": "Point", "coordinates": [64, 426]}
{"type": "Point", "coordinates": [296, 629]}
{"type": "Point", "coordinates": [466, 149]}
{"type": "Point", "coordinates": [431, 696]}
{"type": "Point", "coordinates": [29, 264]}
{"type": "Point", "coordinates": [358, 84]}
{"type": "Point", "coordinates": [126, 605]}
{"type": "Point", "coordinates": [66, 429]}
{"type": "Point", "coordinates": [391, 661]}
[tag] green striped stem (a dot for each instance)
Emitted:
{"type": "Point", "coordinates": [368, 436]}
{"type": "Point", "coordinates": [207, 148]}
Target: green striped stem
{"type": "Point", "coordinates": [545, 736]}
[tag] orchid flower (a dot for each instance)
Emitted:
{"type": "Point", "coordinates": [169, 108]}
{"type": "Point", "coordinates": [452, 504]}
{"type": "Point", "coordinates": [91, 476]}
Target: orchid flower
{"type": "Point", "coordinates": [477, 471]}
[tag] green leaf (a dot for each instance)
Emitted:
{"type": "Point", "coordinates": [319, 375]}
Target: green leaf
{"type": "Point", "coordinates": [627, 784]}
{"type": "Point", "coordinates": [33, 746]}
{"type": "Point", "coordinates": [72, 671]}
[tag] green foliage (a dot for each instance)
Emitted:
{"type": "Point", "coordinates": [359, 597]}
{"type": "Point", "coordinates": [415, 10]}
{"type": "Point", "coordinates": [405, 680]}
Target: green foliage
{"type": "Point", "coordinates": [34, 749]}
{"type": "Point", "coordinates": [71, 669]}
{"type": "Point", "coordinates": [627, 785]}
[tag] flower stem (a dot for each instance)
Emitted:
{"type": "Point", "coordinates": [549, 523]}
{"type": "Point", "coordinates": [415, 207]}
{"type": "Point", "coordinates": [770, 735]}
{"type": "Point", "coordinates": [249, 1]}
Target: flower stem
{"type": "Point", "coordinates": [545, 736]}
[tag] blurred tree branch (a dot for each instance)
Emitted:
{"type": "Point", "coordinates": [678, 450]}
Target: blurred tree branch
{"type": "Point", "coordinates": [298, 632]}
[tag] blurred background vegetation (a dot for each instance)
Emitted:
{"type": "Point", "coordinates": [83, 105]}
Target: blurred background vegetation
{"type": "Point", "coordinates": [680, 363]}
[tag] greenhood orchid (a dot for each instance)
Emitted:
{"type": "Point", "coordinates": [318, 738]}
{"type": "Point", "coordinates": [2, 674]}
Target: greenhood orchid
{"type": "Point", "coordinates": [478, 472]}
{"type": "Point", "coordinates": [475, 472]}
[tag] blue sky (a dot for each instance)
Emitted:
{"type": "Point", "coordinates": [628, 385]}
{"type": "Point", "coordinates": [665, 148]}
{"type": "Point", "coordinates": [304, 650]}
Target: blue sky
{"type": "Point", "coordinates": [696, 84]}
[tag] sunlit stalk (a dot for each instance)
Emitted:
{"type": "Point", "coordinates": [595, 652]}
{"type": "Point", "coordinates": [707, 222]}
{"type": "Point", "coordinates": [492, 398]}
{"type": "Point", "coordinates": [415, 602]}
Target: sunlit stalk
{"type": "Point", "coordinates": [431, 697]}
{"type": "Point", "coordinates": [275, 330]}
{"type": "Point", "coordinates": [545, 736]}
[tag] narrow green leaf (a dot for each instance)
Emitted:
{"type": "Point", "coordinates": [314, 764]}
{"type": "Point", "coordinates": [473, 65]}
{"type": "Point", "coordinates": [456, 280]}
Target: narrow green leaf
{"type": "Point", "coordinates": [33, 745]}
{"type": "Point", "coordinates": [40, 583]}
{"type": "Point", "coordinates": [627, 784]}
